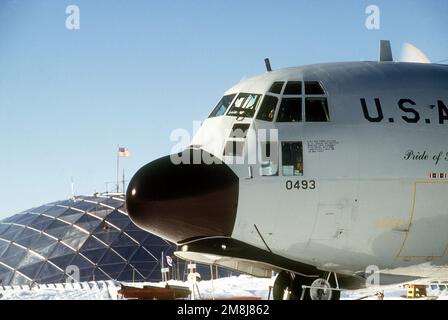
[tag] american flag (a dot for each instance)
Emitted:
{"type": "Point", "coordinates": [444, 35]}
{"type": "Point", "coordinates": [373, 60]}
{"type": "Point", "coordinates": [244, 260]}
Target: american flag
{"type": "Point", "coordinates": [169, 261]}
{"type": "Point", "coordinates": [123, 152]}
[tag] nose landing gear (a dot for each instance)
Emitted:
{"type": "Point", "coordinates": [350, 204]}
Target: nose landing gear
{"type": "Point", "coordinates": [321, 290]}
{"type": "Point", "coordinates": [289, 286]}
{"type": "Point", "coordinates": [326, 288]}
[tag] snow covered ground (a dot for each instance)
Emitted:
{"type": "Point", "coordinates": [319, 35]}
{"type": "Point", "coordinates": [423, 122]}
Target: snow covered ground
{"type": "Point", "coordinates": [100, 290]}
{"type": "Point", "coordinates": [237, 286]}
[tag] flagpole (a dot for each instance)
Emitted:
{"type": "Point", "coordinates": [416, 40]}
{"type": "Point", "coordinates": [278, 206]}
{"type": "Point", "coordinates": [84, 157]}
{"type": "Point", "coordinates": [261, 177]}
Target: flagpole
{"type": "Point", "coordinates": [73, 189]}
{"type": "Point", "coordinates": [162, 267]}
{"type": "Point", "coordinates": [123, 182]}
{"type": "Point", "coordinates": [118, 168]}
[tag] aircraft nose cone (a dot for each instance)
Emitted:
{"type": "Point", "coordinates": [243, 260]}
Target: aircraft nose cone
{"type": "Point", "coordinates": [182, 201]}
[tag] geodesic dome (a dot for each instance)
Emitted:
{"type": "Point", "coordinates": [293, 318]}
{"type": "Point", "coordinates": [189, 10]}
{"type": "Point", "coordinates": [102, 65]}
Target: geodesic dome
{"type": "Point", "coordinates": [94, 234]}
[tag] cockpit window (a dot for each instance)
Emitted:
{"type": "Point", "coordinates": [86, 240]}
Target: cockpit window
{"type": "Point", "coordinates": [316, 110]}
{"type": "Point", "coordinates": [292, 158]}
{"type": "Point", "coordinates": [290, 110]}
{"type": "Point", "coordinates": [239, 130]}
{"type": "Point", "coordinates": [277, 87]}
{"type": "Point", "coordinates": [302, 104]}
{"type": "Point", "coordinates": [244, 105]}
{"type": "Point", "coordinates": [222, 106]}
{"type": "Point", "coordinates": [313, 88]}
{"type": "Point", "coordinates": [267, 108]}
{"type": "Point", "coordinates": [316, 106]}
{"type": "Point", "coordinates": [293, 88]}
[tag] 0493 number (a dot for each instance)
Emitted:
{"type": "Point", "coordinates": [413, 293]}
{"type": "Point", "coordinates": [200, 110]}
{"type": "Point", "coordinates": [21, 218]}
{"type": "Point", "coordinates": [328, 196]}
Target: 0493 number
{"type": "Point", "coordinates": [301, 184]}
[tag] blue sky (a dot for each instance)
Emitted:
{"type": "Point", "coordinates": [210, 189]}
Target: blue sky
{"type": "Point", "coordinates": [136, 70]}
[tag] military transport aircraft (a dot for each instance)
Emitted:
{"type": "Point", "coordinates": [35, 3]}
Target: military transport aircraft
{"type": "Point", "coordinates": [350, 172]}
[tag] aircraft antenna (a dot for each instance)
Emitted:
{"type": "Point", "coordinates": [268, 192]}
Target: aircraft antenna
{"type": "Point", "coordinates": [262, 239]}
{"type": "Point", "coordinates": [441, 61]}
{"type": "Point", "coordinates": [268, 65]}
{"type": "Point", "coordinates": [385, 51]}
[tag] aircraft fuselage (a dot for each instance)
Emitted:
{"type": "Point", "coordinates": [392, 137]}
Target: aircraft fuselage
{"type": "Point", "coordinates": [356, 176]}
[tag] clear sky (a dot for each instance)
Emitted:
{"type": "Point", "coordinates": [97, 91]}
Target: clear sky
{"type": "Point", "coordinates": [136, 70]}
